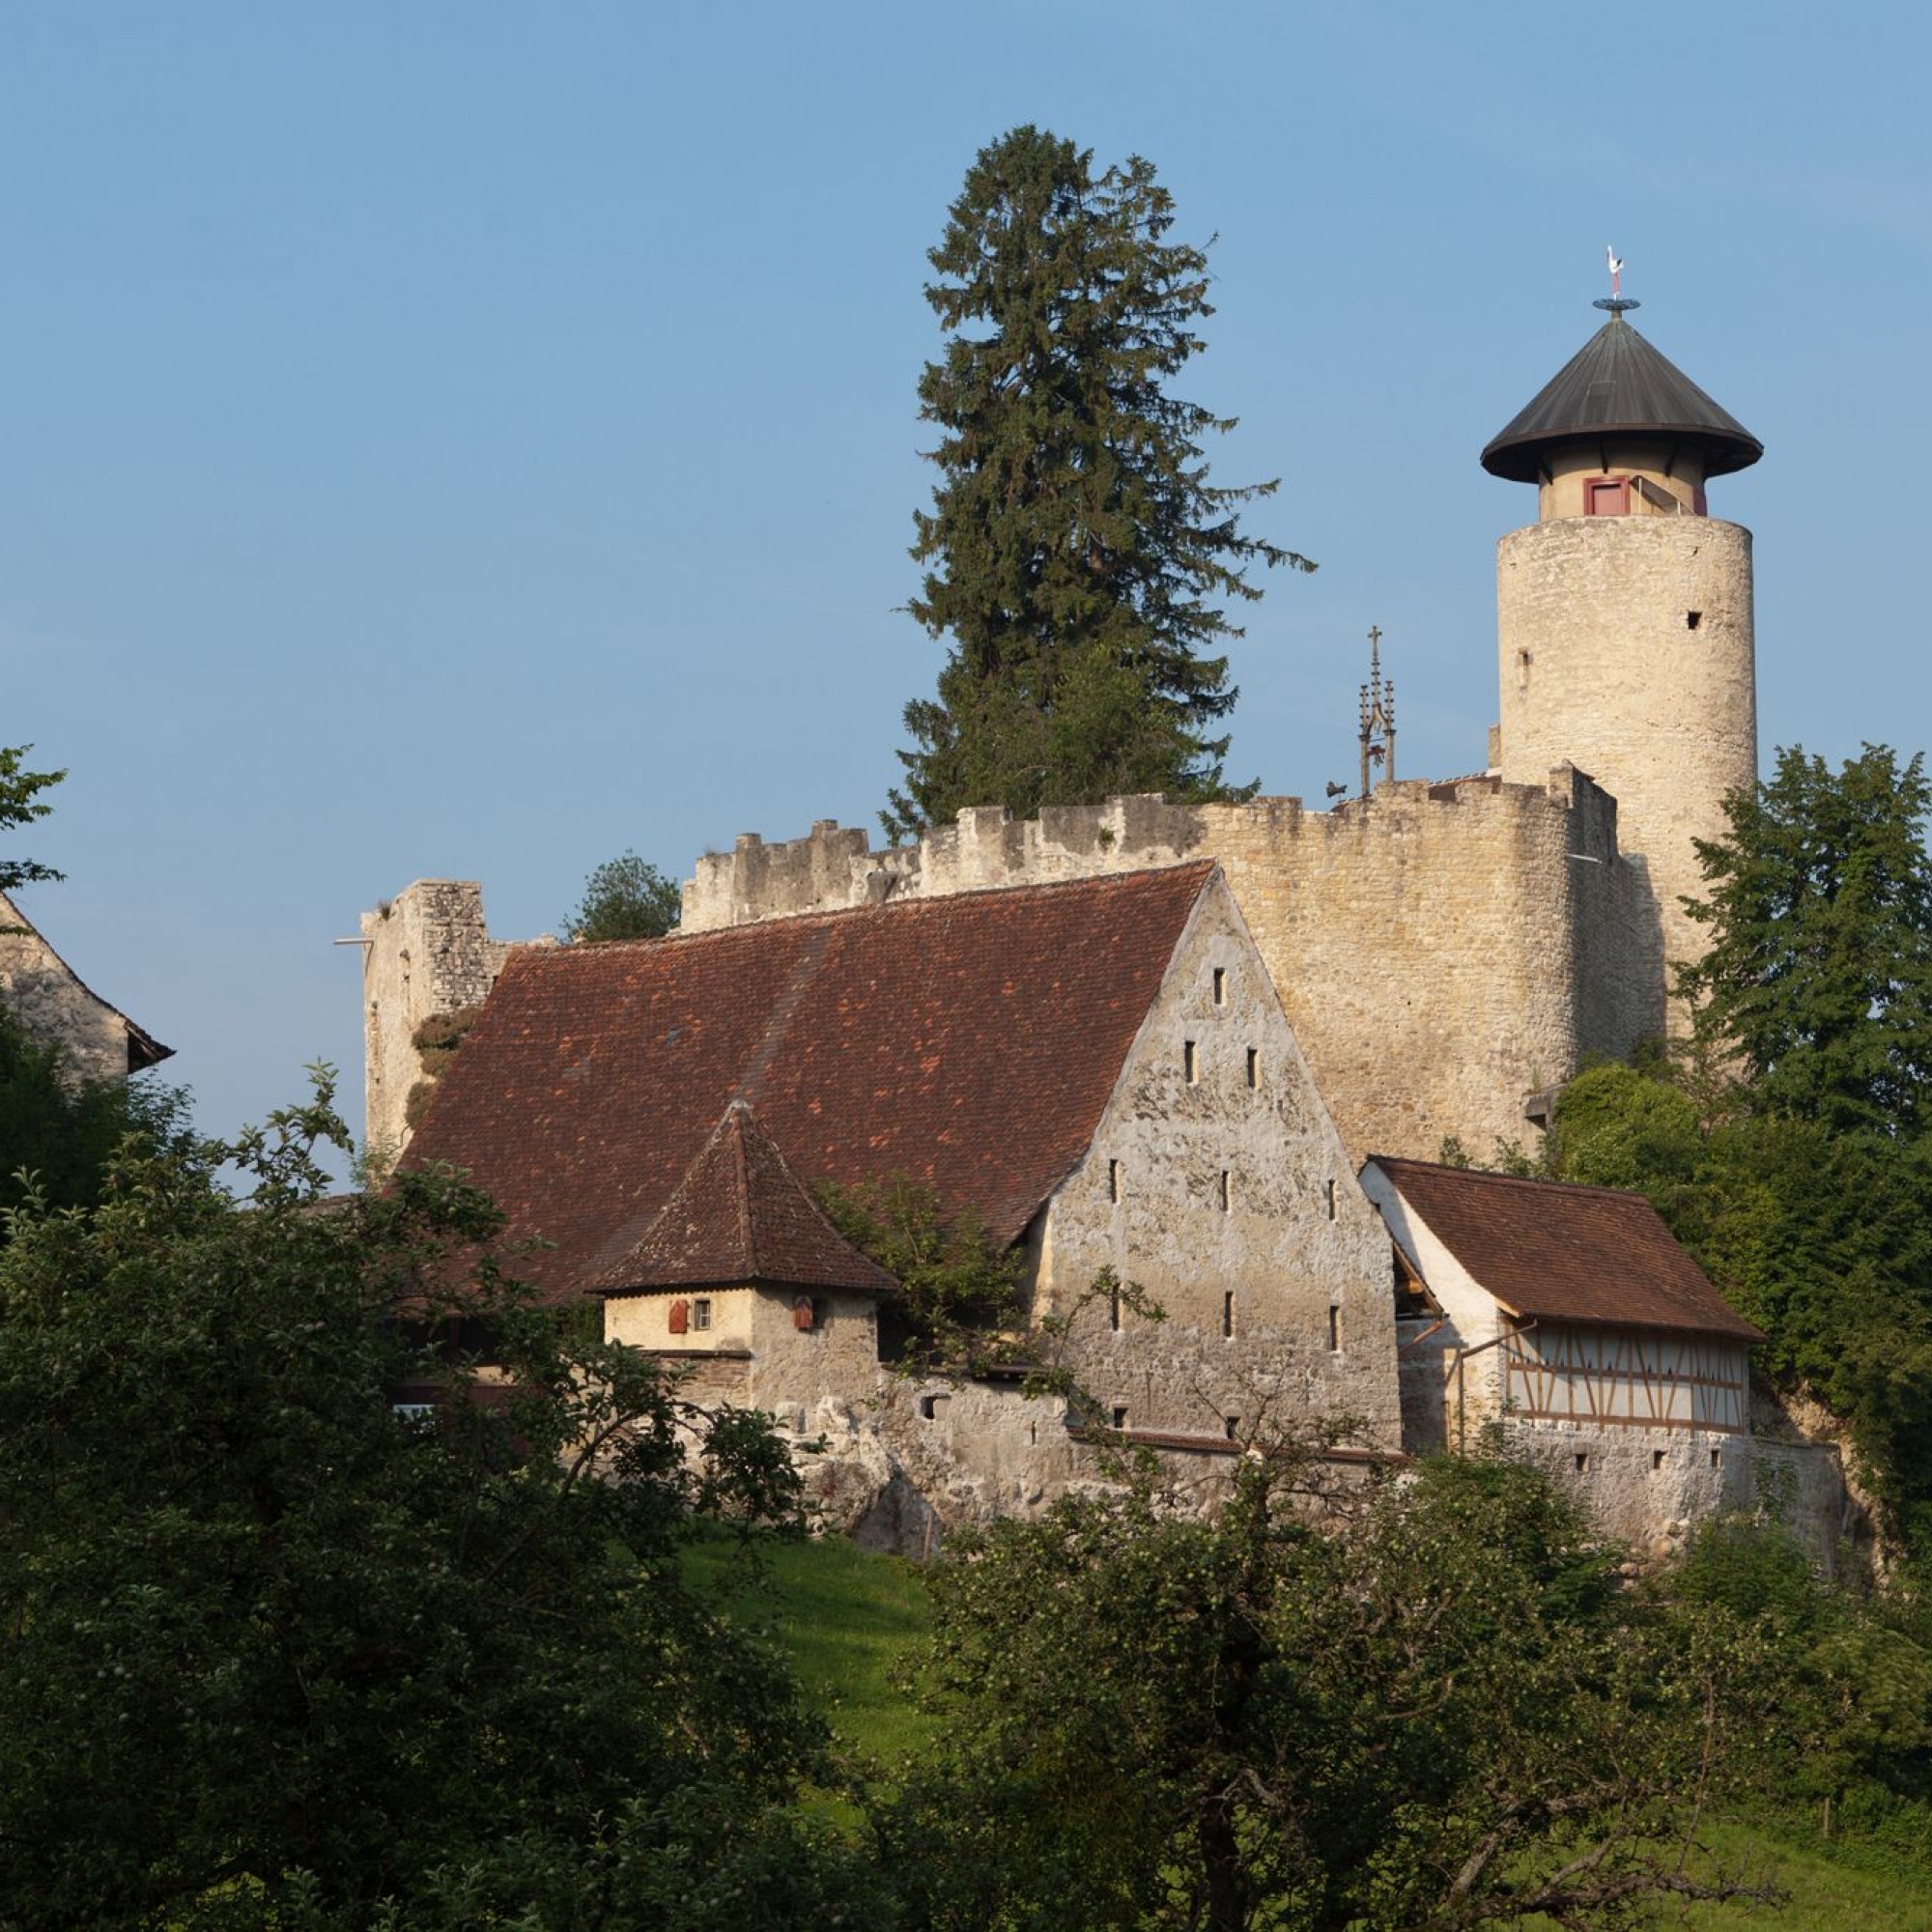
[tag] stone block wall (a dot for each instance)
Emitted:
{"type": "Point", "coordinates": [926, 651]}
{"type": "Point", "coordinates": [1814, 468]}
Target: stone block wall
{"type": "Point", "coordinates": [1626, 645]}
{"type": "Point", "coordinates": [1443, 952]}
{"type": "Point", "coordinates": [54, 1008]}
{"type": "Point", "coordinates": [425, 952]}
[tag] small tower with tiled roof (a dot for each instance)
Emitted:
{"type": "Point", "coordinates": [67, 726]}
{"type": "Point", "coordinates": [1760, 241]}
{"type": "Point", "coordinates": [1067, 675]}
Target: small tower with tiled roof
{"type": "Point", "coordinates": [739, 1272]}
{"type": "Point", "coordinates": [1624, 615]}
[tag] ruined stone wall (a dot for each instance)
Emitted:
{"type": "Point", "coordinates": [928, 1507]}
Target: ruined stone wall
{"type": "Point", "coordinates": [1443, 952]}
{"type": "Point", "coordinates": [1218, 1184]}
{"type": "Point", "coordinates": [425, 952]}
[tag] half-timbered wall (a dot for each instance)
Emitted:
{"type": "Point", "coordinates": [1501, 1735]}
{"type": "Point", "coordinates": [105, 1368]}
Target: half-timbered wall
{"type": "Point", "coordinates": [1649, 1377]}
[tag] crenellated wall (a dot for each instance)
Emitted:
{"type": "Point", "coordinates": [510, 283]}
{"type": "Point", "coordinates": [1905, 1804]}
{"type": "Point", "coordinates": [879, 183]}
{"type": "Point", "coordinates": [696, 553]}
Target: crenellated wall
{"type": "Point", "coordinates": [1445, 953]}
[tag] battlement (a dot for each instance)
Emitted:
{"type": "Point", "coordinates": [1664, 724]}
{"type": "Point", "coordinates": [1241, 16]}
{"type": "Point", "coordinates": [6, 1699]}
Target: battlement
{"type": "Point", "coordinates": [1445, 951]}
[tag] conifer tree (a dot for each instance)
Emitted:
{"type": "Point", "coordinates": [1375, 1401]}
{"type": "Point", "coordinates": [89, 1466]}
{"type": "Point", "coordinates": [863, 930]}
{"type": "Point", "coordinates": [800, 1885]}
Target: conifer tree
{"type": "Point", "coordinates": [1079, 559]}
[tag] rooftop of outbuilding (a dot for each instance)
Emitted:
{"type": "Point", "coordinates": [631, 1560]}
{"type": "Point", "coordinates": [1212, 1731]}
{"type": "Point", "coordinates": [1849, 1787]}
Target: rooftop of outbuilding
{"type": "Point", "coordinates": [1555, 1251]}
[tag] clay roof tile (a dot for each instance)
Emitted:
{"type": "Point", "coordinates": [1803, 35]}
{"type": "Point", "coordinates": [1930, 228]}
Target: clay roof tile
{"type": "Point", "coordinates": [1564, 1253]}
{"type": "Point", "coordinates": [970, 1043]}
{"type": "Point", "coordinates": [741, 1215]}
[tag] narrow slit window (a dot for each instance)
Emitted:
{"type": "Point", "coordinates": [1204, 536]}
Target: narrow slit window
{"type": "Point", "coordinates": [1112, 1180]}
{"type": "Point", "coordinates": [1334, 1329]}
{"type": "Point", "coordinates": [1717, 1459]}
{"type": "Point", "coordinates": [1254, 1069]}
{"type": "Point", "coordinates": [1330, 1191]}
{"type": "Point", "coordinates": [1190, 1062]}
{"type": "Point", "coordinates": [1220, 985]}
{"type": "Point", "coordinates": [1227, 1191]}
{"type": "Point", "coordinates": [1228, 1312]}
{"type": "Point", "coordinates": [1114, 1311]}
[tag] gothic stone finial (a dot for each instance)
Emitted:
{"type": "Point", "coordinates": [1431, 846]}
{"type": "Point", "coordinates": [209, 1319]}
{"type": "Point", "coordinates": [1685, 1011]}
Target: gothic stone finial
{"type": "Point", "coordinates": [1377, 730]}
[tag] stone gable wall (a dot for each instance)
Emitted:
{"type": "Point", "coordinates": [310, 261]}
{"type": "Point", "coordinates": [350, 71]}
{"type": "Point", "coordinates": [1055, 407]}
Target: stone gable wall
{"type": "Point", "coordinates": [1274, 1281]}
{"type": "Point", "coordinates": [53, 1007]}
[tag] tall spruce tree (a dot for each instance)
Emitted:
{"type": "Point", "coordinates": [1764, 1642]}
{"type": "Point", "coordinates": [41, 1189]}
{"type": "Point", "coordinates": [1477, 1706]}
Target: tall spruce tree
{"type": "Point", "coordinates": [1080, 560]}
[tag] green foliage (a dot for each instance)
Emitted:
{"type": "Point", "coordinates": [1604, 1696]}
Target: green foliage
{"type": "Point", "coordinates": [961, 1309]}
{"type": "Point", "coordinates": [624, 898]}
{"type": "Point", "coordinates": [271, 1652]}
{"type": "Point", "coordinates": [1822, 1236]}
{"type": "Point", "coordinates": [1849, 1727]}
{"type": "Point", "coordinates": [1819, 973]}
{"type": "Point", "coordinates": [21, 804]}
{"type": "Point", "coordinates": [58, 1134]}
{"type": "Point", "coordinates": [1447, 1713]}
{"type": "Point", "coordinates": [1787, 1147]}
{"type": "Point", "coordinates": [1079, 557]}
{"type": "Point", "coordinates": [959, 1293]}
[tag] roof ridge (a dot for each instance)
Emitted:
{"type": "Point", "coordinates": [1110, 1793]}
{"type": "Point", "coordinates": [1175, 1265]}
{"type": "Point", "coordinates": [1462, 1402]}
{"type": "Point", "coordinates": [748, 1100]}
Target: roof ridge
{"type": "Point", "coordinates": [1515, 1180]}
{"type": "Point", "coordinates": [1032, 889]}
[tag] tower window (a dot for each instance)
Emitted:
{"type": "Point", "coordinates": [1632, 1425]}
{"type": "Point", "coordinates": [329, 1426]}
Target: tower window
{"type": "Point", "coordinates": [1227, 1192]}
{"type": "Point", "coordinates": [1693, 619]}
{"type": "Point", "coordinates": [1253, 1068]}
{"type": "Point", "coordinates": [1582, 1462]}
{"type": "Point", "coordinates": [1607, 496]}
{"type": "Point", "coordinates": [1334, 1329]}
{"type": "Point", "coordinates": [1120, 1416]}
{"type": "Point", "coordinates": [1190, 1063]}
{"type": "Point", "coordinates": [1220, 985]}
{"type": "Point", "coordinates": [1234, 1423]}
{"type": "Point", "coordinates": [1331, 1200]}
{"type": "Point", "coordinates": [1112, 1180]}
{"type": "Point", "coordinates": [1228, 1312]}
{"type": "Point", "coordinates": [1114, 1311]}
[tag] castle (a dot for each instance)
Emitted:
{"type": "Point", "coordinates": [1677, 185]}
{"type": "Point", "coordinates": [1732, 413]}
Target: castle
{"type": "Point", "coordinates": [1426, 960]}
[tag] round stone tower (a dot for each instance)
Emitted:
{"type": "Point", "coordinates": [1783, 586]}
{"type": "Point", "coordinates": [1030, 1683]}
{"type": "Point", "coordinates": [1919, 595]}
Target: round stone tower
{"type": "Point", "coordinates": [1623, 612]}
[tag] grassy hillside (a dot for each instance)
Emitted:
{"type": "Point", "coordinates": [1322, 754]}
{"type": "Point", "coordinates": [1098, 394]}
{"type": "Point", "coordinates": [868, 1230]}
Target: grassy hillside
{"type": "Point", "coordinates": [850, 1621]}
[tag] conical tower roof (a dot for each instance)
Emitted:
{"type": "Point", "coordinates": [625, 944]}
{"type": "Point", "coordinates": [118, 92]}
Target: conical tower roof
{"type": "Point", "coordinates": [741, 1217]}
{"type": "Point", "coordinates": [1617, 384]}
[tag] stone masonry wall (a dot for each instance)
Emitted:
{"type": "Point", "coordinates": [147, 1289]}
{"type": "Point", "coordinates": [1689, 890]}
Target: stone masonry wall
{"type": "Point", "coordinates": [1443, 952]}
{"type": "Point", "coordinates": [425, 952]}
{"type": "Point", "coordinates": [1218, 1184]}
{"type": "Point", "coordinates": [1626, 645]}
{"type": "Point", "coordinates": [53, 1007]}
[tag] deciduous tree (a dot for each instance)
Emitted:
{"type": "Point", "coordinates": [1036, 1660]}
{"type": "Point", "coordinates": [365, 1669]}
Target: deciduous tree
{"type": "Point", "coordinates": [1080, 560]}
{"type": "Point", "coordinates": [1818, 978]}
{"type": "Point", "coordinates": [273, 1652]}
{"type": "Point", "coordinates": [21, 804]}
{"type": "Point", "coordinates": [1446, 1714]}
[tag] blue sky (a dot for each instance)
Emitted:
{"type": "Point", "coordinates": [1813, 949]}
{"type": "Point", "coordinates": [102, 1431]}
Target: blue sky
{"type": "Point", "coordinates": [471, 440]}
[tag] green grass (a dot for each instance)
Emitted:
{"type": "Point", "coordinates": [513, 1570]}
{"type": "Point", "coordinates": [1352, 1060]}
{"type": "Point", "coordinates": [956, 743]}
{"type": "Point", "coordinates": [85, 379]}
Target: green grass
{"type": "Point", "coordinates": [850, 1621]}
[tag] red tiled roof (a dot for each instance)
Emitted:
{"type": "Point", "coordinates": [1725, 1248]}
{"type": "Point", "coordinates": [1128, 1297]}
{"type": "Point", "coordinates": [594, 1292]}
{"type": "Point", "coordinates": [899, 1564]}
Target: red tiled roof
{"type": "Point", "coordinates": [971, 1043]}
{"type": "Point", "coordinates": [1566, 1253]}
{"type": "Point", "coordinates": [740, 1215]}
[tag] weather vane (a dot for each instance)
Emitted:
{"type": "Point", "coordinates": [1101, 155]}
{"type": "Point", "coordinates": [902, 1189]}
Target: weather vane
{"type": "Point", "coordinates": [1616, 301]}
